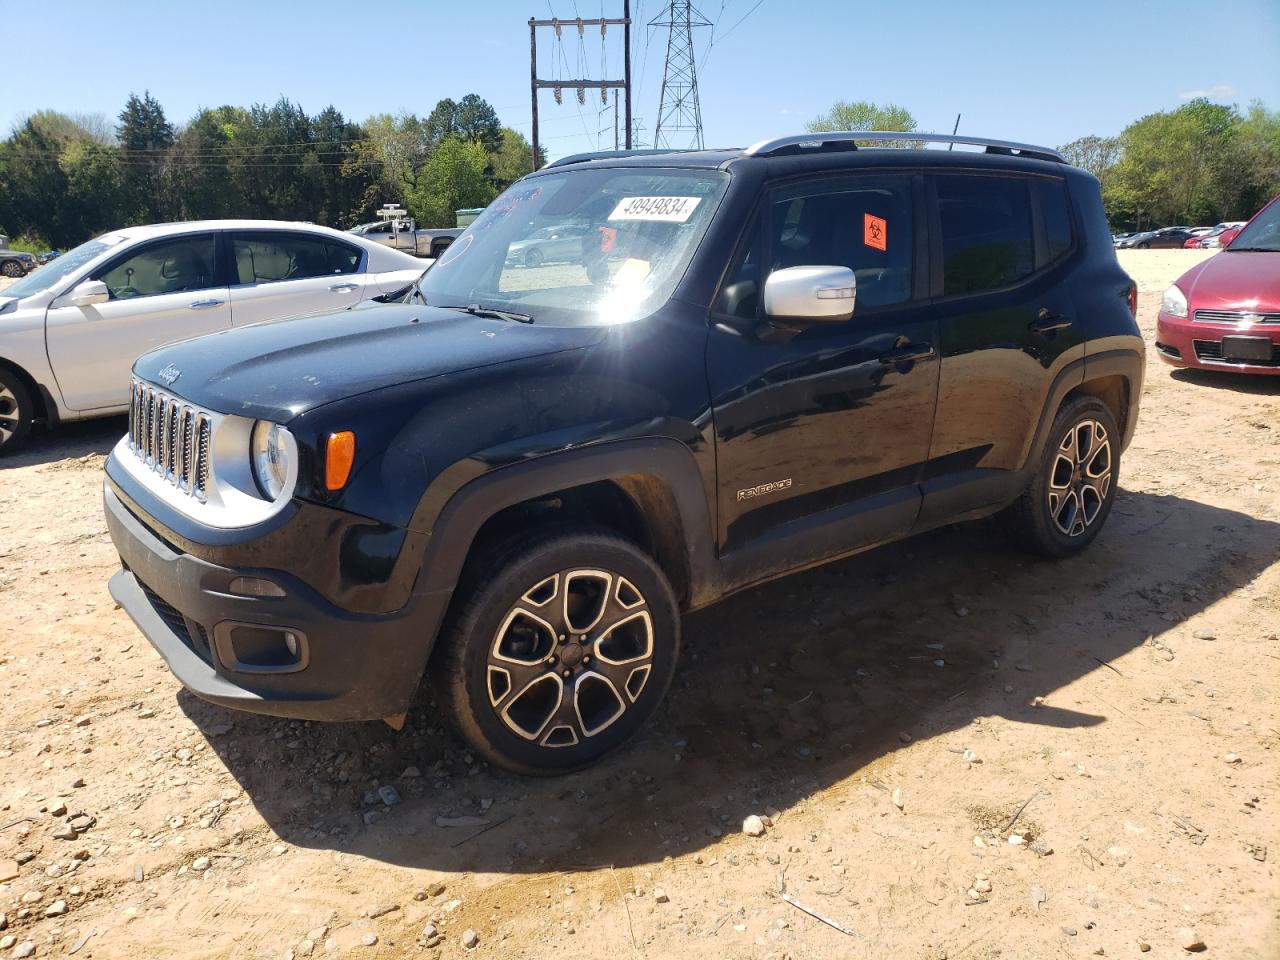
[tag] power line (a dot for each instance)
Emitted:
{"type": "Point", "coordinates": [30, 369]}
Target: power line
{"type": "Point", "coordinates": [743, 17]}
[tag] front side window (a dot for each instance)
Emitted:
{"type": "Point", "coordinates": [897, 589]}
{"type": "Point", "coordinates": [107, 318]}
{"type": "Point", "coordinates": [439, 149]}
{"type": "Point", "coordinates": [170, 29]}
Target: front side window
{"type": "Point", "coordinates": [580, 246]}
{"type": "Point", "coordinates": [272, 257]}
{"type": "Point", "coordinates": [986, 232]}
{"type": "Point", "coordinates": [864, 224]}
{"type": "Point", "coordinates": [180, 265]}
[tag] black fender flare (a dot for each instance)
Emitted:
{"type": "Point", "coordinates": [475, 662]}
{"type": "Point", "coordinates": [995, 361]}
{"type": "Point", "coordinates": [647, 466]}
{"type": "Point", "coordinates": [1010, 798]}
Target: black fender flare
{"type": "Point", "coordinates": [669, 462]}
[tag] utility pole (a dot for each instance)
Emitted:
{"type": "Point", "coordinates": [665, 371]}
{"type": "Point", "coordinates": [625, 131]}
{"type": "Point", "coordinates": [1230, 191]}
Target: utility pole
{"type": "Point", "coordinates": [679, 113]}
{"type": "Point", "coordinates": [624, 84]}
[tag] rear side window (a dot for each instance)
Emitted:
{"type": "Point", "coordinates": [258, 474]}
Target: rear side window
{"type": "Point", "coordinates": [1056, 215]}
{"type": "Point", "coordinates": [986, 232]}
{"type": "Point", "coordinates": [271, 257]}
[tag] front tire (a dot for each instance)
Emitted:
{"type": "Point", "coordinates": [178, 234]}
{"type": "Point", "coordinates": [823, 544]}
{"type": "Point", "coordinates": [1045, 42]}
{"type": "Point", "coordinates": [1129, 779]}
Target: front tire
{"type": "Point", "coordinates": [1068, 500]}
{"type": "Point", "coordinates": [11, 268]}
{"type": "Point", "coordinates": [534, 258]}
{"type": "Point", "coordinates": [16, 411]}
{"type": "Point", "coordinates": [558, 651]}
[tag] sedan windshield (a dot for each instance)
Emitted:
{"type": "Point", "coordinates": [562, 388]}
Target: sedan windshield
{"type": "Point", "coordinates": [1262, 233]}
{"type": "Point", "coordinates": [51, 273]}
{"type": "Point", "coordinates": [579, 247]}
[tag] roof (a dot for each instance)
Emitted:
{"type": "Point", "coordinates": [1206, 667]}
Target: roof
{"type": "Point", "coordinates": [189, 226]}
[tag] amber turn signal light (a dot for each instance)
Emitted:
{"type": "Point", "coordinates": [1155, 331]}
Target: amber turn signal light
{"type": "Point", "coordinates": [340, 453]}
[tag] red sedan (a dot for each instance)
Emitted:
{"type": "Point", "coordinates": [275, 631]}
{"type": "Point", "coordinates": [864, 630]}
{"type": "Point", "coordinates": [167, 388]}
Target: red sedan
{"type": "Point", "coordinates": [1224, 313]}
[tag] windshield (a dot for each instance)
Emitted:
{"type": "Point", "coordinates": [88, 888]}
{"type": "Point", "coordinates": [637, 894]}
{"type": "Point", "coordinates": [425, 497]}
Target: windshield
{"type": "Point", "coordinates": [56, 270]}
{"type": "Point", "coordinates": [1262, 233]}
{"type": "Point", "coordinates": [580, 247]}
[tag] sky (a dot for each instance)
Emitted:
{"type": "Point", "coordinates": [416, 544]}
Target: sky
{"type": "Point", "coordinates": [1027, 70]}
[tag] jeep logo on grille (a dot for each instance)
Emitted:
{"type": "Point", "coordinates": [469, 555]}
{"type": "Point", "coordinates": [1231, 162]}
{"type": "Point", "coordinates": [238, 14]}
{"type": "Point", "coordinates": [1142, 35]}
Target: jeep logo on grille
{"type": "Point", "coordinates": [170, 374]}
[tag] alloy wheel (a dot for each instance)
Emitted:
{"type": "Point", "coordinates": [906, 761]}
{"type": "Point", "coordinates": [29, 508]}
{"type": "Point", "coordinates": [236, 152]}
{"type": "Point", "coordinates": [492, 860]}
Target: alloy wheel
{"type": "Point", "coordinates": [1080, 477]}
{"type": "Point", "coordinates": [570, 657]}
{"type": "Point", "coordinates": [9, 414]}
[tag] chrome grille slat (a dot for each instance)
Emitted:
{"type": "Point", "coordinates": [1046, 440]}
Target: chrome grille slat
{"type": "Point", "coordinates": [1235, 316]}
{"type": "Point", "coordinates": [171, 437]}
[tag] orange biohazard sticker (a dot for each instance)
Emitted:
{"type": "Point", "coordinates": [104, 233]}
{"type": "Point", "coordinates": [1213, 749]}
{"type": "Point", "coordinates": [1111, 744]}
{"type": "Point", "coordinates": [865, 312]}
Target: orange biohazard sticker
{"type": "Point", "coordinates": [873, 232]}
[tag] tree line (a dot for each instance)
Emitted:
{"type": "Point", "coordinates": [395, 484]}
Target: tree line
{"type": "Point", "coordinates": [65, 178]}
{"type": "Point", "coordinates": [1200, 164]}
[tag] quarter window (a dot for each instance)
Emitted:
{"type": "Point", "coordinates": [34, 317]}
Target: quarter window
{"type": "Point", "coordinates": [175, 266]}
{"type": "Point", "coordinates": [1056, 215]}
{"type": "Point", "coordinates": [268, 258]}
{"type": "Point", "coordinates": [986, 232]}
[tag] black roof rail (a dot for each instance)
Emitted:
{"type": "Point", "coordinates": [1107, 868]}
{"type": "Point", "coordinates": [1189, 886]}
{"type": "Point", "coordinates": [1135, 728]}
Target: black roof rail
{"type": "Point", "coordinates": [848, 140]}
{"type": "Point", "coordinates": [606, 155]}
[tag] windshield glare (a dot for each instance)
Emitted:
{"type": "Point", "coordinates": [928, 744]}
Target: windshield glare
{"type": "Point", "coordinates": [580, 247]}
{"type": "Point", "coordinates": [1262, 234]}
{"type": "Point", "coordinates": [56, 270]}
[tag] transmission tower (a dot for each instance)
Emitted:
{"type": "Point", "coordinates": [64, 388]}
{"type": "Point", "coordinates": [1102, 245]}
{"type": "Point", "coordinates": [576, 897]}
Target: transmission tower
{"type": "Point", "coordinates": [679, 115]}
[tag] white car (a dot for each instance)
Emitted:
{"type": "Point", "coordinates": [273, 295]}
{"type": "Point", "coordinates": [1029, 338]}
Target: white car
{"type": "Point", "coordinates": [70, 331]}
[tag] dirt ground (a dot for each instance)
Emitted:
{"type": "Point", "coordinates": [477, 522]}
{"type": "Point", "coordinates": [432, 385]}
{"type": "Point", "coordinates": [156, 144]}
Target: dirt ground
{"type": "Point", "coordinates": [890, 713]}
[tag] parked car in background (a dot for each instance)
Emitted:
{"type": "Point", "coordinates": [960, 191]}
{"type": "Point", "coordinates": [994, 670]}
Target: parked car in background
{"type": "Point", "coordinates": [1224, 313]}
{"type": "Point", "coordinates": [1119, 238]}
{"type": "Point", "coordinates": [1167, 238]}
{"type": "Point", "coordinates": [405, 236]}
{"type": "Point", "coordinates": [1200, 239]}
{"type": "Point", "coordinates": [1225, 237]}
{"type": "Point", "coordinates": [555, 244]}
{"type": "Point", "coordinates": [70, 331]}
{"type": "Point", "coordinates": [1129, 240]}
{"type": "Point", "coordinates": [16, 263]}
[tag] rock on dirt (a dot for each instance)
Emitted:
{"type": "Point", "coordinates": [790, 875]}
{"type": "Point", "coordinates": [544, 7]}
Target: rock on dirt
{"type": "Point", "coordinates": [753, 826]}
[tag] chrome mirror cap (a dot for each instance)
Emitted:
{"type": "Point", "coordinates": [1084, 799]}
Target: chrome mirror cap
{"type": "Point", "coordinates": [810, 293]}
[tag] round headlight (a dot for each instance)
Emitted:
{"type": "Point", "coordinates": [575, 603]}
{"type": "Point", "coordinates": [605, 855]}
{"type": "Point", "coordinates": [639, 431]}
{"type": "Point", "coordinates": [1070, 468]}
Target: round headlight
{"type": "Point", "coordinates": [270, 454]}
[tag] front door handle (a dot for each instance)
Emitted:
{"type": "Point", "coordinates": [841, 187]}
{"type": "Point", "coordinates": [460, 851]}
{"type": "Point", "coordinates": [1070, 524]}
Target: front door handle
{"type": "Point", "coordinates": [1047, 321]}
{"type": "Point", "coordinates": [205, 304]}
{"type": "Point", "coordinates": [907, 353]}
{"type": "Point", "coordinates": [344, 287]}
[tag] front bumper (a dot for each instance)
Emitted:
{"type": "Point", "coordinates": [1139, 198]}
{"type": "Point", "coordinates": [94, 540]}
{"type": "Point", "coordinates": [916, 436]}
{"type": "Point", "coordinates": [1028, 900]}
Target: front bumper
{"type": "Point", "coordinates": [351, 666]}
{"type": "Point", "coordinates": [1195, 344]}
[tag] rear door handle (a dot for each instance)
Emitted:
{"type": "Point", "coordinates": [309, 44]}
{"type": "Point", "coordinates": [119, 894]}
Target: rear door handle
{"type": "Point", "coordinates": [344, 287]}
{"type": "Point", "coordinates": [205, 304]}
{"type": "Point", "coordinates": [908, 353]}
{"type": "Point", "coordinates": [1047, 321]}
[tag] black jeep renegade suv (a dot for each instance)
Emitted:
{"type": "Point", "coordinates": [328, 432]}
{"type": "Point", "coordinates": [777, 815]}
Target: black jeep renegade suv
{"type": "Point", "coordinates": [720, 367]}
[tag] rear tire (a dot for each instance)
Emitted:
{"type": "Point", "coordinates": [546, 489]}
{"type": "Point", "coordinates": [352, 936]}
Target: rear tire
{"type": "Point", "coordinates": [534, 258]}
{"type": "Point", "coordinates": [1068, 500]}
{"type": "Point", "coordinates": [559, 648]}
{"type": "Point", "coordinates": [16, 411]}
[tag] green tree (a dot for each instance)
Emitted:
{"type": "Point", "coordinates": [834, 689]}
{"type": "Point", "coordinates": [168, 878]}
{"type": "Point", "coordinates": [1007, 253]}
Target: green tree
{"type": "Point", "coordinates": [146, 137]}
{"type": "Point", "coordinates": [471, 118]}
{"type": "Point", "coordinates": [513, 159]}
{"type": "Point", "coordinates": [453, 179]}
{"type": "Point", "coordinates": [864, 115]}
{"type": "Point", "coordinates": [1098, 155]}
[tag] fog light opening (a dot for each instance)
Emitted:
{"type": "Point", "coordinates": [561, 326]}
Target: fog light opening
{"type": "Point", "coordinates": [259, 648]}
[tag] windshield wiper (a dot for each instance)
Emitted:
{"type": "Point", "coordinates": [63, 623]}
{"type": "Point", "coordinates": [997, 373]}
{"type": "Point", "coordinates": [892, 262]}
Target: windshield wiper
{"type": "Point", "coordinates": [493, 314]}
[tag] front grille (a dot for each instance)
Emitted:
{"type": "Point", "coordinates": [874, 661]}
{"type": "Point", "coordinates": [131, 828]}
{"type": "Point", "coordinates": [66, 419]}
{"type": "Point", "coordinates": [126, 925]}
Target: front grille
{"type": "Point", "coordinates": [188, 631]}
{"type": "Point", "coordinates": [1235, 316]}
{"type": "Point", "coordinates": [171, 437]}
{"type": "Point", "coordinates": [1211, 350]}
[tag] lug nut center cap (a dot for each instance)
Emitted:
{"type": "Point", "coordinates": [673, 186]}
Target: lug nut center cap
{"type": "Point", "coordinates": [571, 654]}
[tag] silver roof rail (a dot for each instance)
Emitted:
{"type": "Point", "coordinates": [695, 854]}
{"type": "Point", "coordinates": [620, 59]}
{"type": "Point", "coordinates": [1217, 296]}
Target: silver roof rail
{"type": "Point", "coordinates": [605, 155]}
{"type": "Point", "coordinates": [847, 140]}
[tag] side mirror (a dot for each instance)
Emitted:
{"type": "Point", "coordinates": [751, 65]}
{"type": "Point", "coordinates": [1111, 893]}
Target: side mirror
{"type": "Point", "coordinates": [810, 294]}
{"type": "Point", "coordinates": [90, 292]}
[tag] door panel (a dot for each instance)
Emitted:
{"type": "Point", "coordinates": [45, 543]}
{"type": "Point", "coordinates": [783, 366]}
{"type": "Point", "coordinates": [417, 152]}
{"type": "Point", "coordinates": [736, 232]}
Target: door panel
{"type": "Point", "coordinates": [161, 292]}
{"type": "Point", "coordinates": [280, 274]}
{"type": "Point", "coordinates": [832, 420]}
{"type": "Point", "coordinates": [1001, 300]}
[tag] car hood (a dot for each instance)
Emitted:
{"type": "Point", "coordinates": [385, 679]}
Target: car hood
{"type": "Point", "coordinates": [1241, 280]}
{"type": "Point", "coordinates": [280, 369]}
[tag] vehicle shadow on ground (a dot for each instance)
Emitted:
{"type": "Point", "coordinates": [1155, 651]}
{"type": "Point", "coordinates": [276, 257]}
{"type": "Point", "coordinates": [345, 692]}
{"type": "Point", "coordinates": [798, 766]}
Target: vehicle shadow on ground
{"type": "Point", "coordinates": [68, 442]}
{"type": "Point", "coordinates": [804, 684]}
{"type": "Point", "coordinates": [1259, 385]}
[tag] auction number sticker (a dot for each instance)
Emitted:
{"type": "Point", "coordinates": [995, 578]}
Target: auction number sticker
{"type": "Point", "coordinates": [668, 209]}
